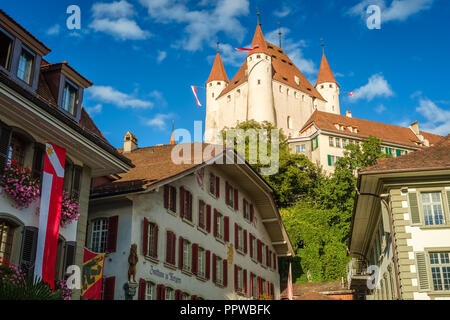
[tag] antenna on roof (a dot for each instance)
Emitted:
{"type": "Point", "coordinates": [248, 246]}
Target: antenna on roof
{"type": "Point", "coordinates": [218, 43]}
{"type": "Point", "coordinates": [172, 137]}
{"type": "Point", "coordinates": [258, 14]}
{"type": "Point", "coordinates": [322, 45]}
{"type": "Point", "coordinates": [279, 32]}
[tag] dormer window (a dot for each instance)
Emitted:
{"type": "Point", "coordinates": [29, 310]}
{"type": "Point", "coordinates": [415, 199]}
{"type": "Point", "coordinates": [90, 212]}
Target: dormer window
{"type": "Point", "coordinates": [70, 98]}
{"type": "Point", "coordinates": [6, 47]}
{"type": "Point", "coordinates": [25, 68]}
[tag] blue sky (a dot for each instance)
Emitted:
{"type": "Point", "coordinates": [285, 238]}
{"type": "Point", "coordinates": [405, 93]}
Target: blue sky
{"type": "Point", "coordinates": [143, 55]}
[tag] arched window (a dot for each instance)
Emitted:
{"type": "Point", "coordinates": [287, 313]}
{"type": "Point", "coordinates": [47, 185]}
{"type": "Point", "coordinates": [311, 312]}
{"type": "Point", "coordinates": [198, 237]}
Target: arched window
{"type": "Point", "coordinates": [289, 122]}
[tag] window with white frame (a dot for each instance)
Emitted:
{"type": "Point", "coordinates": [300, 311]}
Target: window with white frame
{"type": "Point", "coordinates": [300, 148]}
{"type": "Point", "coordinates": [240, 239]}
{"type": "Point", "coordinates": [173, 199]}
{"type": "Point", "coordinates": [201, 214]}
{"type": "Point", "coordinates": [150, 291]}
{"type": "Point", "coordinates": [98, 235]}
{"type": "Point", "coordinates": [230, 195]}
{"type": "Point", "coordinates": [170, 294]}
{"type": "Point", "coordinates": [220, 226]}
{"type": "Point", "coordinates": [432, 208]}
{"type": "Point", "coordinates": [219, 270]}
{"type": "Point", "coordinates": [240, 279]}
{"type": "Point", "coordinates": [201, 262]}
{"type": "Point", "coordinates": [264, 254]}
{"type": "Point", "coordinates": [187, 255]}
{"type": "Point", "coordinates": [344, 143]}
{"type": "Point", "coordinates": [25, 68]}
{"type": "Point", "coordinates": [254, 252]}
{"type": "Point", "coordinates": [331, 142]}
{"type": "Point", "coordinates": [212, 184]}
{"type": "Point", "coordinates": [152, 240]}
{"type": "Point", "coordinates": [338, 143]}
{"type": "Point", "coordinates": [254, 286]}
{"type": "Point", "coordinates": [186, 296]}
{"type": "Point", "coordinates": [246, 209]}
{"type": "Point", "coordinates": [69, 102]}
{"type": "Point", "coordinates": [187, 205]}
{"type": "Point", "coordinates": [440, 270]}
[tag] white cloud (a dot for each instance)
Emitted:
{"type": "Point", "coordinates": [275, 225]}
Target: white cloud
{"type": "Point", "coordinates": [94, 110]}
{"type": "Point", "coordinates": [158, 97]}
{"type": "Point", "coordinates": [159, 121]}
{"type": "Point", "coordinates": [398, 10]}
{"type": "Point", "coordinates": [161, 56]}
{"type": "Point", "coordinates": [376, 87]}
{"type": "Point", "coordinates": [115, 19]}
{"type": "Point", "coordinates": [107, 94]}
{"type": "Point", "coordinates": [438, 120]}
{"type": "Point", "coordinates": [283, 12]}
{"type": "Point", "coordinates": [293, 49]}
{"type": "Point", "coordinates": [230, 56]}
{"type": "Point", "coordinates": [380, 109]}
{"type": "Point", "coordinates": [54, 30]}
{"type": "Point", "coordinates": [201, 26]}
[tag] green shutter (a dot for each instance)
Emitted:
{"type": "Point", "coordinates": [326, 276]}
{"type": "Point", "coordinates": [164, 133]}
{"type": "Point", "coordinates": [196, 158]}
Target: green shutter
{"type": "Point", "coordinates": [317, 141]}
{"type": "Point", "coordinates": [406, 152]}
{"type": "Point", "coordinates": [387, 150]}
{"type": "Point", "coordinates": [422, 272]}
{"type": "Point", "coordinates": [329, 160]}
{"type": "Point", "coordinates": [448, 200]}
{"type": "Point", "coordinates": [399, 152]}
{"type": "Point", "coordinates": [414, 208]}
{"type": "Point", "coordinates": [312, 145]}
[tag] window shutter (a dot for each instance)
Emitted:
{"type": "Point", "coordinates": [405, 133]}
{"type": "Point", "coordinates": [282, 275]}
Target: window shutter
{"type": "Point", "coordinates": [214, 268]}
{"type": "Point", "coordinates": [108, 290]}
{"type": "Point", "coordinates": [227, 193]}
{"type": "Point", "coordinates": [5, 138]}
{"type": "Point", "coordinates": [182, 206]}
{"type": "Point", "coordinates": [168, 246]}
{"type": "Point", "coordinates": [329, 161]}
{"type": "Point", "coordinates": [111, 242]}
{"type": "Point", "coordinates": [317, 141]}
{"type": "Point", "coordinates": [201, 223]}
{"type": "Point", "coordinates": [259, 286]}
{"type": "Point", "coordinates": [225, 273]}
{"type": "Point", "coordinates": [215, 223]}
{"type": "Point", "coordinates": [267, 256]}
{"type": "Point", "coordinates": [312, 145]}
{"type": "Point", "coordinates": [28, 254]}
{"type": "Point", "coordinates": [244, 205]}
{"type": "Point", "coordinates": [259, 252]}
{"type": "Point", "coordinates": [38, 160]}
{"type": "Point", "coordinates": [69, 255]}
{"type": "Point", "coordinates": [245, 282]}
{"type": "Point", "coordinates": [195, 259]}
{"type": "Point", "coordinates": [155, 241]}
{"type": "Point", "coordinates": [236, 271]}
{"type": "Point", "coordinates": [142, 285]}
{"type": "Point", "coordinates": [272, 290]}
{"type": "Point", "coordinates": [245, 241]}
{"type": "Point", "coordinates": [166, 196]}
{"type": "Point", "coordinates": [422, 272]}
{"type": "Point", "coordinates": [208, 218]}
{"type": "Point", "coordinates": [217, 187]}
{"type": "Point", "coordinates": [145, 238]}
{"type": "Point", "coordinates": [190, 207]}
{"type": "Point", "coordinates": [236, 236]}
{"type": "Point", "coordinates": [180, 252]}
{"type": "Point", "coordinates": [194, 297]}
{"type": "Point", "coordinates": [252, 213]}
{"type": "Point", "coordinates": [208, 265]}
{"type": "Point", "coordinates": [174, 245]}
{"type": "Point", "coordinates": [269, 259]}
{"type": "Point", "coordinates": [178, 295]}
{"type": "Point", "coordinates": [414, 208]}
{"type": "Point", "coordinates": [160, 292]}
{"type": "Point", "coordinates": [226, 222]}
{"type": "Point", "coordinates": [251, 245]}
{"type": "Point", "coordinates": [448, 199]}
{"type": "Point", "coordinates": [236, 199]}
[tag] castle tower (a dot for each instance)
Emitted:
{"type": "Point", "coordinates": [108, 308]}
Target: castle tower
{"type": "Point", "coordinates": [216, 83]}
{"type": "Point", "coordinates": [260, 86]}
{"type": "Point", "coordinates": [328, 87]}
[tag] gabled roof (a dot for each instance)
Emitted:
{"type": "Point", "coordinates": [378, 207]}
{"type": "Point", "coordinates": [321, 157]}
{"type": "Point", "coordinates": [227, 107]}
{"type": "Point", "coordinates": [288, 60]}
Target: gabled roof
{"type": "Point", "coordinates": [325, 73]}
{"type": "Point", "coordinates": [366, 128]}
{"type": "Point", "coordinates": [284, 70]}
{"type": "Point", "coordinates": [435, 157]}
{"type": "Point", "coordinates": [218, 70]}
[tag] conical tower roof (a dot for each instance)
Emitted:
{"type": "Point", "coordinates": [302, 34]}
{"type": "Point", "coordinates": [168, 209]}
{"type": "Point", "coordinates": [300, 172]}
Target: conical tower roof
{"type": "Point", "coordinates": [258, 40]}
{"type": "Point", "coordinates": [218, 71]}
{"type": "Point", "coordinates": [325, 73]}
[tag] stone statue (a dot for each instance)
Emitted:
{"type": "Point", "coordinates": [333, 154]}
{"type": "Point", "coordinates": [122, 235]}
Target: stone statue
{"type": "Point", "coordinates": [132, 260]}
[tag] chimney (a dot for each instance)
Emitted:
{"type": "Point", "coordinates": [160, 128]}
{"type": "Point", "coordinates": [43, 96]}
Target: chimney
{"type": "Point", "coordinates": [130, 142]}
{"type": "Point", "coordinates": [349, 114]}
{"type": "Point", "coordinates": [415, 128]}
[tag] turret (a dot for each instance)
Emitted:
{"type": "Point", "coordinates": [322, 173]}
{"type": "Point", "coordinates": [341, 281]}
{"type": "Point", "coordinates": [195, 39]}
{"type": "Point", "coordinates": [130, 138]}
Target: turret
{"type": "Point", "coordinates": [260, 87]}
{"type": "Point", "coordinates": [328, 87]}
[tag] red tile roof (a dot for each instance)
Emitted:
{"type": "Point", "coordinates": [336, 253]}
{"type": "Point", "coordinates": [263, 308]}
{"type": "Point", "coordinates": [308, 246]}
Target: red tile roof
{"type": "Point", "coordinates": [366, 128]}
{"type": "Point", "coordinates": [435, 157]}
{"type": "Point", "coordinates": [284, 70]}
{"type": "Point", "coordinates": [325, 73]}
{"type": "Point", "coordinates": [218, 71]}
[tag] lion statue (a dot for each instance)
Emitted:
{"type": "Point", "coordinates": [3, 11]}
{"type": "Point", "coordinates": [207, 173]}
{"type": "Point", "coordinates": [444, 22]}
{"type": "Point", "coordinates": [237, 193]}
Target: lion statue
{"type": "Point", "coordinates": [132, 260]}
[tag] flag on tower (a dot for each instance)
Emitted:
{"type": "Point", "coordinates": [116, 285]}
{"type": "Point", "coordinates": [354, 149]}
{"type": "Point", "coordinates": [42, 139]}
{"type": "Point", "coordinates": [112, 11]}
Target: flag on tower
{"type": "Point", "coordinates": [248, 49]}
{"type": "Point", "coordinates": [351, 94]}
{"type": "Point", "coordinates": [50, 213]}
{"type": "Point", "coordinates": [194, 90]}
{"type": "Point", "coordinates": [290, 288]}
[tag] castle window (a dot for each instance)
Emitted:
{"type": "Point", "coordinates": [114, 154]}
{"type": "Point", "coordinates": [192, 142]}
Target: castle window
{"type": "Point", "coordinates": [287, 91]}
{"type": "Point", "coordinates": [228, 98]}
{"type": "Point", "coordinates": [218, 83]}
{"type": "Point", "coordinates": [210, 84]}
{"type": "Point", "coordinates": [332, 108]}
{"type": "Point", "coordinates": [259, 81]}
{"type": "Point", "coordinates": [296, 94]}
{"type": "Point", "coordinates": [331, 142]}
{"type": "Point", "coordinates": [250, 59]}
{"type": "Point", "coordinates": [281, 89]}
{"type": "Point", "coordinates": [212, 94]}
{"type": "Point", "coordinates": [289, 122]}
{"type": "Point", "coordinates": [258, 56]}
{"type": "Point", "coordinates": [322, 86]}
{"type": "Point", "coordinates": [238, 92]}
{"type": "Point", "coordinates": [303, 97]}
{"type": "Point", "coordinates": [331, 86]}
{"type": "Point", "coordinates": [6, 46]}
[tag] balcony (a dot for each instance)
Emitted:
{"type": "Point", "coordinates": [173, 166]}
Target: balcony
{"type": "Point", "coordinates": [357, 275]}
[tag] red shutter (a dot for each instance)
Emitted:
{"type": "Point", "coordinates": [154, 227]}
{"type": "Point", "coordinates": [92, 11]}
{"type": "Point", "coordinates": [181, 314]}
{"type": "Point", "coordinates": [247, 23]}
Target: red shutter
{"type": "Point", "coordinates": [227, 193]}
{"type": "Point", "coordinates": [245, 241]}
{"type": "Point", "coordinates": [155, 241]}
{"type": "Point", "coordinates": [180, 252]}
{"type": "Point", "coordinates": [174, 245]}
{"type": "Point", "coordinates": [195, 259]}
{"type": "Point", "coordinates": [201, 224]}
{"type": "Point", "coordinates": [194, 297]}
{"type": "Point", "coordinates": [226, 222]}
{"type": "Point", "coordinates": [267, 256]}
{"type": "Point", "coordinates": [145, 238]}
{"type": "Point", "coordinates": [244, 205]}
{"type": "Point", "coordinates": [160, 292]}
{"type": "Point", "coordinates": [259, 286]}
{"type": "Point", "coordinates": [236, 271]}
{"type": "Point", "coordinates": [168, 247]}
{"type": "Point", "coordinates": [216, 232]}
{"type": "Point", "coordinates": [208, 218]}
{"type": "Point", "coordinates": [268, 287]}
{"type": "Point", "coordinates": [166, 196]}
{"type": "Point", "coordinates": [190, 207]}
{"type": "Point", "coordinates": [252, 213]}
{"type": "Point", "coordinates": [108, 290]}
{"type": "Point", "coordinates": [252, 278]}
{"type": "Point", "coordinates": [225, 273]}
{"type": "Point", "coordinates": [178, 295]}
{"type": "Point", "coordinates": [217, 187]}
{"type": "Point", "coordinates": [272, 291]}
{"type": "Point", "coordinates": [259, 252]}
{"type": "Point", "coordinates": [236, 236]}
{"type": "Point", "coordinates": [208, 265]}
{"type": "Point", "coordinates": [251, 245]}
{"type": "Point", "coordinates": [182, 202]}
{"type": "Point", "coordinates": [142, 284]}
{"type": "Point", "coordinates": [214, 268]}
{"type": "Point", "coordinates": [245, 283]}
{"type": "Point", "coordinates": [111, 243]}
{"type": "Point", "coordinates": [236, 199]}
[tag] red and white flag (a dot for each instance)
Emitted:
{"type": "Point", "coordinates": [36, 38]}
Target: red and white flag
{"type": "Point", "coordinates": [50, 213]}
{"type": "Point", "coordinates": [351, 94]}
{"type": "Point", "coordinates": [290, 288]}
{"type": "Point", "coordinates": [194, 90]}
{"type": "Point", "coordinates": [247, 49]}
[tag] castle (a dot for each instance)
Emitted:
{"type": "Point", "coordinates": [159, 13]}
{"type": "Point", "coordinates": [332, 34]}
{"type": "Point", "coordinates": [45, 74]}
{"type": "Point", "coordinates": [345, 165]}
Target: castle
{"type": "Point", "coordinates": [268, 87]}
